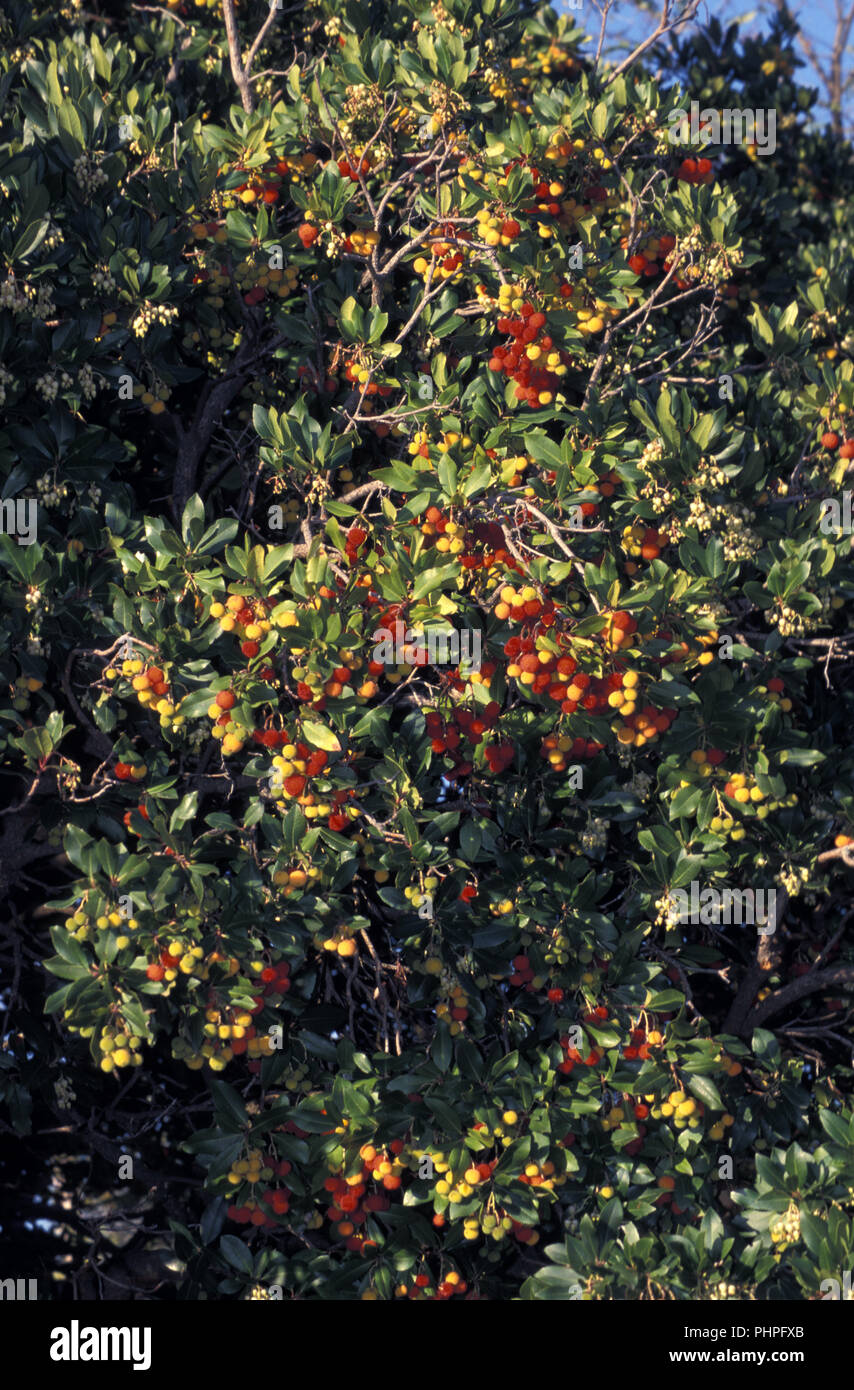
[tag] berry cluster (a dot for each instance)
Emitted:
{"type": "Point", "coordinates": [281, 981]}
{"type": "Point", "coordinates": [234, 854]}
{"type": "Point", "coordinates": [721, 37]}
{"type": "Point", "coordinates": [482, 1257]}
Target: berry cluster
{"type": "Point", "coordinates": [152, 688]}
{"type": "Point", "coordinates": [523, 975]}
{"type": "Point", "coordinates": [254, 1208]}
{"type": "Point", "coordinates": [445, 261]}
{"type": "Point", "coordinates": [530, 360]}
{"type": "Point", "coordinates": [351, 1203]}
{"type": "Point", "coordinates": [120, 1049]}
{"type": "Point", "coordinates": [265, 185]}
{"type": "Point", "coordinates": [422, 1288]}
{"type": "Point", "coordinates": [342, 944]}
{"type": "Point", "coordinates": [175, 958]}
{"type": "Point", "coordinates": [651, 259]}
{"type": "Point", "coordinates": [446, 737]}
{"type": "Point", "coordinates": [453, 1009]}
{"type": "Point", "coordinates": [354, 173]}
{"type": "Point", "coordinates": [497, 231]}
{"type": "Point", "coordinates": [696, 171]}
{"type": "Point", "coordinates": [560, 750]}
{"type": "Point", "coordinates": [294, 880]}
{"type": "Point", "coordinates": [361, 243]}
{"type": "Point", "coordinates": [249, 618]}
{"type": "Point", "coordinates": [643, 542]}
{"type": "Point", "coordinates": [830, 441]}
{"type": "Point", "coordinates": [499, 755]}
{"type": "Point", "coordinates": [130, 771]}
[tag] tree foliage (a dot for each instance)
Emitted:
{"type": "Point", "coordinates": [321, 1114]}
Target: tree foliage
{"type": "Point", "coordinates": [373, 967]}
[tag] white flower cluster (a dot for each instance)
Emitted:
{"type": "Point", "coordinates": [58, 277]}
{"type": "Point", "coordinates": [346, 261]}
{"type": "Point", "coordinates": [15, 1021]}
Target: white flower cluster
{"type": "Point", "coordinates": [362, 100]}
{"type": "Point", "coordinates": [720, 265]}
{"type": "Point", "coordinates": [94, 494]}
{"type": "Point", "coordinates": [149, 314]}
{"type": "Point", "coordinates": [723, 1291]}
{"type": "Point", "coordinates": [790, 623]}
{"type": "Point", "coordinates": [6, 379]}
{"type": "Point", "coordinates": [332, 27]}
{"type": "Point", "coordinates": [653, 453]}
{"type": "Point", "coordinates": [65, 1093]}
{"type": "Point", "coordinates": [740, 541]}
{"type": "Point", "coordinates": [24, 298]}
{"type": "Point", "coordinates": [662, 498]}
{"type": "Point", "coordinates": [716, 611]}
{"type": "Point", "coordinates": [668, 911]}
{"type": "Point", "coordinates": [34, 599]}
{"type": "Point", "coordinates": [49, 384]}
{"type": "Point", "coordinates": [672, 530]}
{"type": "Point", "coordinates": [53, 237]}
{"type": "Point", "coordinates": [102, 279]}
{"type": "Point", "coordinates": [334, 239]}
{"type": "Point", "coordinates": [794, 879]}
{"type": "Point", "coordinates": [88, 174]}
{"type": "Point", "coordinates": [195, 737]}
{"type": "Point", "coordinates": [45, 304]}
{"type": "Point", "coordinates": [594, 836]}
{"type": "Point", "coordinates": [786, 1230]}
{"type": "Point", "coordinates": [14, 298]}
{"type": "Point", "coordinates": [87, 383]}
{"type": "Point", "coordinates": [709, 476]}
{"type": "Point", "coordinates": [50, 492]}
{"type": "Point", "coordinates": [640, 785]}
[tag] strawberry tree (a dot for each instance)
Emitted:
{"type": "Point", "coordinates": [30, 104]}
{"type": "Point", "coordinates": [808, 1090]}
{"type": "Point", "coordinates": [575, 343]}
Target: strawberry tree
{"type": "Point", "coordinates": [349, 327]}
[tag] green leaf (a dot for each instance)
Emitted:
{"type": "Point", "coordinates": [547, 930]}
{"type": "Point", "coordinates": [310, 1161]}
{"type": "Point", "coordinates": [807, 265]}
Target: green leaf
{"type": "Point", "coordinates": [321, 736]}
{"type": "Point", "coordinates": [352, 319]}
{"type": "Point", "coordinates": [432, 579]}
{"type": "Point", "coordinates": [706, 1091]}
{"type": "Point", "coordinates": [228, 1103]}
{"type": "Point", "coordinates": [69, 949]}
{"type": "Point", "coordinates": [442, 1047]}
{"type": "Point", "coordinates": [238, 1254]}
{"type": "Point", "coordinates": [599, 119]}
{"type": "Point", "coordinates": [834, 1126]}
{"type": "Point", "coordinates": [470, 841]}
